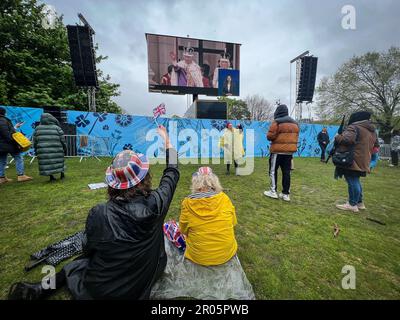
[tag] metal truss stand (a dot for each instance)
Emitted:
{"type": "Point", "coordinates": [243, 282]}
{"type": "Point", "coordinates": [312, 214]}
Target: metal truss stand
{"type": "Point", "coordinates": [91, 93]}
{"type": "Point", "coordinates": [297, 108]}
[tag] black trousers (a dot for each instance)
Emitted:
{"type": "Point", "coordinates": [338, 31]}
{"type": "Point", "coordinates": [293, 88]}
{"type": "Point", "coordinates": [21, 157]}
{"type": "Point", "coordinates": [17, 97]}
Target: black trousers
{"type": "Point", "coordinates": [228, 166]}
{"type": "Point", "coordinates": [323, 149]}
{"type": "Point", "coordinates": [395, 157]}
{"type": "Point", "coordinates": [283, 161]}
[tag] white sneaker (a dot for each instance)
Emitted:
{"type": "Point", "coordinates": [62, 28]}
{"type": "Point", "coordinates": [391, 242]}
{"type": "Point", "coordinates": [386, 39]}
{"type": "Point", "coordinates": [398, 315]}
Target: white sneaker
{"type": "Point", "coordinates": [284, 197]}
{"type": "Point", "coordinates": [271, 194]}
{"type": "Point", "coordinates": [361, 206]}
{"type": "Point", "coordinates": [347, 207]}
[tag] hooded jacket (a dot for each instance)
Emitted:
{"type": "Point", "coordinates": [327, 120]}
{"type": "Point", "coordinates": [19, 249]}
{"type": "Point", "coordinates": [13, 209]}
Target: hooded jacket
{"type": "Point", "coordinates": [50, 146]}
{"type": "Point", "coordinates": [283, 132]}
{"type": "Point", "coordinates": [363, 148]}
{"type": "Point", "coordinates": [7, 143]}
{"type": "Point", "coordinates": [208, 225]}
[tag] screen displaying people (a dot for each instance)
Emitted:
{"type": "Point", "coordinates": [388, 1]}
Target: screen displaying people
{"type": "Point", "coordinates": [191, 66]}
{"type": "Point", "coordinates": [228, 82]}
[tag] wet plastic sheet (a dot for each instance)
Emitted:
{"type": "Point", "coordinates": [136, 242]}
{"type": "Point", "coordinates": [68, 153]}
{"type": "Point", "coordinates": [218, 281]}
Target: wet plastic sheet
{"type": "Point", "coordinates": [183, 278]}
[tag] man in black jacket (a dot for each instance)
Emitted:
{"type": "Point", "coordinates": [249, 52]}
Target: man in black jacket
{"type": "Point", "coordinates": [323, 140]}
{"type": "Point", "coordinates": [124, 253]}
{"type": "Point", "coordinates": [9, 146]}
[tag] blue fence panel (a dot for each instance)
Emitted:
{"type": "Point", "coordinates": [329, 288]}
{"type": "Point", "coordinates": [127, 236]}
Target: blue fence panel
{"type": "Point", "coordinates": [129, 132]}
{"type": "Point", "coordinates": [29, 117]}
{"type": "Point", "coordinates": [116, 132]}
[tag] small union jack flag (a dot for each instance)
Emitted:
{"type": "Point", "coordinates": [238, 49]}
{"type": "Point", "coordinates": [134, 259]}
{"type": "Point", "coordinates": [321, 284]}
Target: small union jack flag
{"type": "Point", "coordinates": [173, 234]}
{"type": "Point", "coordinates": [160, 110]}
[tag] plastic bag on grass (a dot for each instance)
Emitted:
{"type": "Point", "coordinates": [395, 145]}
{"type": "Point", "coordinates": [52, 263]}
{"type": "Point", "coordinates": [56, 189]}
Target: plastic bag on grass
{"type": "Point", "coordinates": [183, 278]}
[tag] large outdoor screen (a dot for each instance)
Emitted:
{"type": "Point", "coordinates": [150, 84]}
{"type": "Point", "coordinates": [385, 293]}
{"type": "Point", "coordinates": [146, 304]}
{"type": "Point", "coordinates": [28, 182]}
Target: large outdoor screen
{"type": "Point", "coordinates": [192, 66]}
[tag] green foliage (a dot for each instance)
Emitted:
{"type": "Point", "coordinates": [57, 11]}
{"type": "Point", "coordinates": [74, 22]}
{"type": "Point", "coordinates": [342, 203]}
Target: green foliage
{"type": "Point", "coordinates": [35, 63]}
{"type": "Point", "coordinates": [237, 109]}
{"type": "Point", "coordinates": [368, 82]}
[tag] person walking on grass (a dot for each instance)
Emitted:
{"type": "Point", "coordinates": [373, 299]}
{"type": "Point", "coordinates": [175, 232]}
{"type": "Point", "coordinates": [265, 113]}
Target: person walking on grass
{"type": "Point", "coordinates": [124, 254]}
{"type": "Point", "coordinates": [9, 146]}
{"type": "Point", "coordinates": [50, 147]}
{"type": "Point", "coordinates": [360, 138]}
{"type": "Point", "coordinates": [283, 134]}
{"type": "Point", "coordinates": [323, 141]}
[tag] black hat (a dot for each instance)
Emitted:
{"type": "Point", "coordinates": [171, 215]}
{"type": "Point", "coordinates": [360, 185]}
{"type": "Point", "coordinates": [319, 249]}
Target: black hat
{"type": "Point", "coordinates": [281, 111]}
{"type": "Point", "coordinates": [359, 116]}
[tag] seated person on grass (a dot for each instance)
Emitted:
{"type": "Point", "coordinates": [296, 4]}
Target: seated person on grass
{"type": "Point", "coordinates": [210, 268]}
{"type": "Point", "coordinates": [207, 220]}
{"type": "Point", "coordinates": [124, 253]}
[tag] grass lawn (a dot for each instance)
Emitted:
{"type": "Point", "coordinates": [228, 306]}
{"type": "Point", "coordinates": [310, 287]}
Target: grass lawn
{"type": "Point", "coordinates": [287, 249]}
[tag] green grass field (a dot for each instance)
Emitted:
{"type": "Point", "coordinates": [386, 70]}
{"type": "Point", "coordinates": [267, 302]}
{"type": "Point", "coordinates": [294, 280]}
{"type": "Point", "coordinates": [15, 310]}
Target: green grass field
{"type": "Point", "coordinates": [287, 249]}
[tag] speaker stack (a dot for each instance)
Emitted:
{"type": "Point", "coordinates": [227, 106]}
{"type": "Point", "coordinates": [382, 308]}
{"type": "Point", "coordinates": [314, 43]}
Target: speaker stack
{"type": "Point", "coordinates": [82, 53]}
{"type": "Point", "coordinates": [308, 73]}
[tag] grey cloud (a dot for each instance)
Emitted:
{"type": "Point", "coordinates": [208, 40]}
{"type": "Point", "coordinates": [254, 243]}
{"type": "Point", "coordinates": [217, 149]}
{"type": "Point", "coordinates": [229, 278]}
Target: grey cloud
{"type": "Point", "coordinates": [271, 33]}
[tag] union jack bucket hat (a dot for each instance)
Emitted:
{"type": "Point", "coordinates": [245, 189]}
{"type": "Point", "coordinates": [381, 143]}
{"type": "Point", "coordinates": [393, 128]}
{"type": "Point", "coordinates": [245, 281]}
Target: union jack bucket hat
{"type": "Point", "coordinates": [127, 170]}
{"type": "Point", "coordinates": [203, 171]}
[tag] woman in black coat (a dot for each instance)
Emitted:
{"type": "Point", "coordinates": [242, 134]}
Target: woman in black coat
{"type": "Point", "coordinates": [323, 141]}
{"type": "Point", "coordinates": [124, 253]}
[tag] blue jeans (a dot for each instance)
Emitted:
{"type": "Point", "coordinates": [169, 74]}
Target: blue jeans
{"type": "Point", "coordinates": [355, 190]}
{"type": "Point", "coordinates": [19, 164]}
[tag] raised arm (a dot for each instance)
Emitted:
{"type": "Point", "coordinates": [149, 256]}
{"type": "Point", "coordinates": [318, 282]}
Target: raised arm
{"type": "Point", "coordinates": [162, 196]}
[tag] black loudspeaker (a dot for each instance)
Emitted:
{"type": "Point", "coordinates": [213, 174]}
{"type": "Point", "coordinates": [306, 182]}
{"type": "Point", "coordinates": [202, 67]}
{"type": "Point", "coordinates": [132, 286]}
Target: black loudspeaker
{"type": "Point", "coordinates": [57, 113]}
{"type": "Point", "coordinates": [82, 56]}
{"type": "Point", "coordinates": [308, 73]}
{"type": "Point", "coordinates": [211, 110]}
{"type": "Point", "coordinates": [69, 129]}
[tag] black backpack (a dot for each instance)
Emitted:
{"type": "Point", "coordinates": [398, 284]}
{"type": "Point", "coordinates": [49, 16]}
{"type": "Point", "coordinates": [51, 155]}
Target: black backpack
{"type": "Point", "coordinates": [346, 158]}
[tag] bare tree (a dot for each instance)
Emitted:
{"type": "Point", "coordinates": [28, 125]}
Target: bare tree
{"type": "Point", "coordinates": [369, 82]}
{"type": "Point", "coordinates": [260, 108]}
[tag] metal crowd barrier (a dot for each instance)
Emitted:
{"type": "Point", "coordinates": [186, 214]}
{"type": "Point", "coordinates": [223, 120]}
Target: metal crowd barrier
{"type": "Point", "coordinates": [384, 152]}
{"type": "Point", "coordinates": [81, 146]}
{"type": "Point", "coordinates": [84, 146]}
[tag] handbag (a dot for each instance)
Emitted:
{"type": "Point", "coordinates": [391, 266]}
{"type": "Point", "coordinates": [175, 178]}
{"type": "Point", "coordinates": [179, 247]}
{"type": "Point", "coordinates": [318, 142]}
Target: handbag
{"type": "Point", "coordinates": [23, 142]}
{"type": "Point", "coordinates": [345, 158]}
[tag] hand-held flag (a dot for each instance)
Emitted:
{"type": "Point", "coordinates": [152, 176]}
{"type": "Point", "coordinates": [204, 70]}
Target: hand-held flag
{"type": "Point", "coordinates": [158, 111]}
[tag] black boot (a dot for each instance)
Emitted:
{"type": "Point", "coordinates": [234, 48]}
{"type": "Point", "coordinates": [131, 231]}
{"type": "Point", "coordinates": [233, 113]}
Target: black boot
{"type": "Point", "coordinates": [228, 167]}
{"type": "Point", "coordinates": [52, 178]}
{"type": "Point", "coordinates": [62, 176]}
{"type": "Point", "coordinates": [26, 291]}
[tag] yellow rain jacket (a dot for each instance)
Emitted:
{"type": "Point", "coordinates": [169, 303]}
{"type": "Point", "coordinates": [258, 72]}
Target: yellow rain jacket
{"type": "Point", "coordinates": [232, 143]}
{"type": "Point", "coordinates": [208, 225]}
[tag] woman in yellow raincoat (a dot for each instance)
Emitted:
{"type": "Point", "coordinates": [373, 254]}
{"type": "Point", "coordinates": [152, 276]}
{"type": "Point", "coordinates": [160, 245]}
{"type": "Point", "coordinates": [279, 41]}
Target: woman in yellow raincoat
{"type": "Point", "coordinates": [207, 219]}
{"type": "Point", "coordinates": [210, 268]}
{"type": "Point", "coordinates": [232, 143]}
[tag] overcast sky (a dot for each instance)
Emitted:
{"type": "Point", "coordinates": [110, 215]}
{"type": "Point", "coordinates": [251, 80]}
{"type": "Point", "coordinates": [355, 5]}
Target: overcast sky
{"type": "Point", "coordinates": [271, 34]}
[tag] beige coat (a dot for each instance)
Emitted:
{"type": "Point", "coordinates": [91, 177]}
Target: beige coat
{"type": "Point", "coordinates": [232, 142]}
